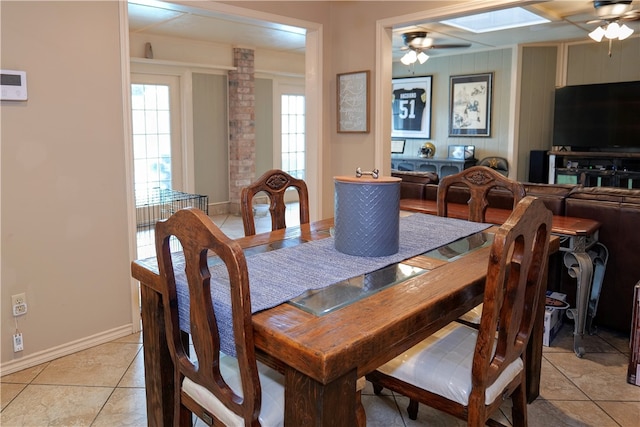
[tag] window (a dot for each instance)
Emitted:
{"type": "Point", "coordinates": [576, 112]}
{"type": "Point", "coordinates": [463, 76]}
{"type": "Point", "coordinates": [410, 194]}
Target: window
{"type": "Point", "coordinates": [151, 140]}
{"type": "Point", "coordinates": [293, 135]}
{"type": "Point", "coordinates": [156, 129]}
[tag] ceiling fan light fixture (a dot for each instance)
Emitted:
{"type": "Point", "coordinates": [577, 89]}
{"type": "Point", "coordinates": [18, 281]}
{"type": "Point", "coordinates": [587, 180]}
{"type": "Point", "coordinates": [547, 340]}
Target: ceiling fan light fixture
{"type": "Point", "coordinates": [624, 32]}
{"type": "Point", "coordinates": [612, 31]}
{"type": "Point", "coordinates": [597, 34]}
{"type": "Point", "coordinates": [412, 56]}
{"type": "Point", "coordinates": [409, 58]}
{"type": "Point", "coordinates": [422, 57]}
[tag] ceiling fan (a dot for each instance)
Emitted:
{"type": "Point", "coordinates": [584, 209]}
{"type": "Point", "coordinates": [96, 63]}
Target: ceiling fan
{"type": "Point", "coordinates": [611, 17]}
{"type": "Point", "coordinates": [615, 10]}
{"type": "Point", "coordinates": [416, 42]}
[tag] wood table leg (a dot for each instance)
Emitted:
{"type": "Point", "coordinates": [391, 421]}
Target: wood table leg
{"type": "Point", "coordinates": [310, 403]}
{"type": "Point", "coordinates": [158, 366]}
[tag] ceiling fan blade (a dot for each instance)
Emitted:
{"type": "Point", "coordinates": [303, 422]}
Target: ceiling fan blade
{"type": "Point", "coordinates": [632, 15]}
{"type": "Point", "coordinates": [450, 45]}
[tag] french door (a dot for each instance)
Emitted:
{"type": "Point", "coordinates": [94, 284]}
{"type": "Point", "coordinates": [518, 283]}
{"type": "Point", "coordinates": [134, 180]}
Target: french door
{"type": "Point", "coordinates": [157, 150]}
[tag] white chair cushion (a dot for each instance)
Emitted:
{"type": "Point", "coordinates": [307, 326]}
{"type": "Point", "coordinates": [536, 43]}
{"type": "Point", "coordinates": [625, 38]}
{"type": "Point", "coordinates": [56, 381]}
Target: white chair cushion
{"type": "Point", "coordinates": [271, 382]}
{"type": "Point", "coordinates": [442, 365]}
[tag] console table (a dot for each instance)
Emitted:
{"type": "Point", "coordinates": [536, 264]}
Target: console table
{"type": "Point", "coordinates": [595, 169]}
{"type": "Point", "coordinates": [441, 166]}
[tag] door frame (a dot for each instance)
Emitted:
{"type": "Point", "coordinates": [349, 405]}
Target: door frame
{"type": "Point", "coordinates": [314, 116]}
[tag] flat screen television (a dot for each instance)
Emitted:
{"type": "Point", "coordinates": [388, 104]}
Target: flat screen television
{"type": "Point", "coordinates": [598, 117]}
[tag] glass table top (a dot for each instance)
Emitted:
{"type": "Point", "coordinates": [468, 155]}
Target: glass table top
{"type": "Point", "coordinates": [461, 247]}
{"type": "Point", "coordinates": [325, 300]}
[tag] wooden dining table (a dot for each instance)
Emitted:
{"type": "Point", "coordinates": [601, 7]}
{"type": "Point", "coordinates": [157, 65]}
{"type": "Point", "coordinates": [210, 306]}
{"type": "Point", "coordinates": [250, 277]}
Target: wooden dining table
{"type": "Point", "coordinates": [322, 356]}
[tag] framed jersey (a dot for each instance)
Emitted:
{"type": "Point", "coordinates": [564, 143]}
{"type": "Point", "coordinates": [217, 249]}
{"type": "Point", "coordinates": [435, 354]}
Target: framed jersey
{"type": "Point", "coordinates": [411, 107]}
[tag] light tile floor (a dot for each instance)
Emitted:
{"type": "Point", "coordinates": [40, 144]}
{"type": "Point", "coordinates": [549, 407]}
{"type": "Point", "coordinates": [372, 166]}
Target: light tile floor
{"type": "Point", "coordinates": [104, 385]}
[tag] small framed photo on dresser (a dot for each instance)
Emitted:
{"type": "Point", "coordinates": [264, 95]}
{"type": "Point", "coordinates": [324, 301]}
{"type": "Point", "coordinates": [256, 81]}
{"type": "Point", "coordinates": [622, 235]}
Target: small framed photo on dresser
{"type": "Point", "coordinates": [397, 146]}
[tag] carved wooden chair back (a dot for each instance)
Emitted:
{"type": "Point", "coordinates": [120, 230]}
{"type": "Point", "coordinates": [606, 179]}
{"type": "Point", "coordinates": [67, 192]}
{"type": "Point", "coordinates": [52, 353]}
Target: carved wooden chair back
{"type": "Point", "coordinates": [274, 183]}
{"type": "Point", "coordinates": [480, 180]}
{"type": "Point", "coordinates": [514, 289]}
{"type": "Point", "coordinates": [473, 371]}
{"type": "Point", "coordinates": [197, 235]}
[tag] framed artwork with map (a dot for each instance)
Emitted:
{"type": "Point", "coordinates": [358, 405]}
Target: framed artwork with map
{"type": "Point", "coordinates": [411, 107]}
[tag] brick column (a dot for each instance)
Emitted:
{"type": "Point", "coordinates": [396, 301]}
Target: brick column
{"type": "Point", "coordinates": [242, 133]}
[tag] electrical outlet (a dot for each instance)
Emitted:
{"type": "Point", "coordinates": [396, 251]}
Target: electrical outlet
{"type": "Point", "coordinates": [18, 344]}
{"type": "Point", "coordinates": [19, 304]}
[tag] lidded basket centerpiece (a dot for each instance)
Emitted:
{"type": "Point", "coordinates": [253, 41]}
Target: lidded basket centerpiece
{"type": "Point", "coordinates": [367, 214]}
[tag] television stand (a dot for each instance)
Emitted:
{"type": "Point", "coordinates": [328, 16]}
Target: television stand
{"type": "Point", "coordinates": [595, 169]}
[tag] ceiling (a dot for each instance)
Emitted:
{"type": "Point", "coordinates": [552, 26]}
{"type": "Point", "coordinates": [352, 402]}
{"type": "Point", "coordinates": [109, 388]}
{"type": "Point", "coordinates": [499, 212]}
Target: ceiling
{"type": "Point", "coordinates": [167, 19]}
{"type": "Point", "coordinates": [569, 21]}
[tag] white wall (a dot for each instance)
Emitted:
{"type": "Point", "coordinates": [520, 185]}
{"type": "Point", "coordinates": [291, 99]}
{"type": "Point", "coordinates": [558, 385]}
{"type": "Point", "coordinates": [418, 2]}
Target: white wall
{"type": "Point", "coordinates": [64, 209]}
{"type": "Point", "coordinates": [589, 62]}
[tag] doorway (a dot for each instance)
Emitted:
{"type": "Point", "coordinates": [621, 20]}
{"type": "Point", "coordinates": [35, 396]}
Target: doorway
{"type": "Point", "coordinates": [157, 148]}
{"type": "Point", "coordinates": [313, 95]}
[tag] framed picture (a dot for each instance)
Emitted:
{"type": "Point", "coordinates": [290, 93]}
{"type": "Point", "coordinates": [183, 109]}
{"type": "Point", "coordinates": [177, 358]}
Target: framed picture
{"type": "Point", "coordinates": [460, 152]}
{"type": "Point", "coordinates": [397, 146]}
{"type": "Point", "coordinates": [411, 108]}
{"type": "Point", "coordinates": [353, 102]}
{"type": "Point", "coordinates": [470, 109]}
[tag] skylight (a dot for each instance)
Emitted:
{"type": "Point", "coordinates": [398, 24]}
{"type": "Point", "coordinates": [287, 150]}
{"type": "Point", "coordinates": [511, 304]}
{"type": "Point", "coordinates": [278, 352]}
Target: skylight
{"type": "Point", "coordinates": [497, 20]}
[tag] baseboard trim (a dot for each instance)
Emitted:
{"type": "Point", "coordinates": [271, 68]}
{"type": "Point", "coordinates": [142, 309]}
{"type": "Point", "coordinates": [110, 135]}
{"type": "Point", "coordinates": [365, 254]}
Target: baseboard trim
{"type": "Point", "coordinates": [64, 350]}
{"type": "Point", "coordinates": [218, 208]}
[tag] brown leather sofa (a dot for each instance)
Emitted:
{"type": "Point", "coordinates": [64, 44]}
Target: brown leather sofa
{"type": "Point", "coordinates": [413, 185]}
{"type": "Point", "coordinates": [618, 211]}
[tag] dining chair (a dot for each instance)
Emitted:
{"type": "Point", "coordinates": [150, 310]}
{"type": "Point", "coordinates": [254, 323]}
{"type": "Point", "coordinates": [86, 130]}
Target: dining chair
{"type": "Point", "coordinates": [479, 180]}
{"type": "Point", "coordinates": [469, 372]}
{"type": "Point", "coordinates": [273, 183]}
{"type": "Point", "coordinates": [217, 388]}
